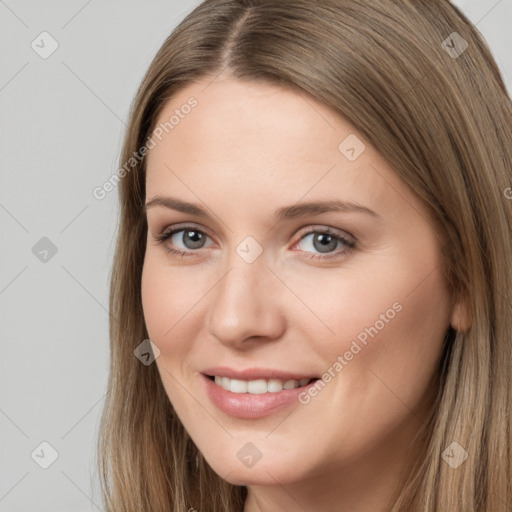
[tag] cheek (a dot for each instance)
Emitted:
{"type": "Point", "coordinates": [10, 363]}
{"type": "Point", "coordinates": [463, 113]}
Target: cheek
{"type": "Point", "coordinates": [412, 347]}
{"type": "Point", "coordinates": [168, 298]}
{"type": "Point", "coordinates": [388, 312]}
{"type": "Point", "coordinates": [156, 301]}
{"type": "Point", "coordinates": [390, 327]}
{"type": "Point", "coordinates": [168, 307]}
{"type": "Point", "coordinates": [167, 301]}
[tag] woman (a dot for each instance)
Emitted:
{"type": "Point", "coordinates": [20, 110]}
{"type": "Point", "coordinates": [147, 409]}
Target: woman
{"type": "Point", "coordinates": [315, 236]}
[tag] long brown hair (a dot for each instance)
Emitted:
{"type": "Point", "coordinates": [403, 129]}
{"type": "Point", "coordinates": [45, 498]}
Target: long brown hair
{"type": "Point", "coordinates": [435, 106]}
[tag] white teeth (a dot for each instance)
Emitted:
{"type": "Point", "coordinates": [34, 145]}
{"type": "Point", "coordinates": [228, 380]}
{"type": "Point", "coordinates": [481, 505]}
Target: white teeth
{"type": "Point", "coordinates": [258, 387]}
{"type": "Point", "coordinates": [238, 386]}
{"type": "Point", "coordinates": [275, 385]}
{"type": "Point", "coordinates": [290, 384]}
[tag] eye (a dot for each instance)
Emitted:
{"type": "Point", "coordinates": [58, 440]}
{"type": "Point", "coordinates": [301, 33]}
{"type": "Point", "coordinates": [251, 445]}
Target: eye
{"type": "Point", "coordinates": [191, 237]}
{"type": "Point", "coordinates": [325, 241]}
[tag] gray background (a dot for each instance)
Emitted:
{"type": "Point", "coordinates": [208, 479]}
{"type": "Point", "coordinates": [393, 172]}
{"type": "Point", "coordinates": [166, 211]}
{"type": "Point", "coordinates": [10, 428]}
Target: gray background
{"type": "Point", "coordinates": [62, 123]}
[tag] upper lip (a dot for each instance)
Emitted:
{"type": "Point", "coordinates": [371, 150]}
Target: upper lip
{"type": "Point", "coordinates": [256, 373]}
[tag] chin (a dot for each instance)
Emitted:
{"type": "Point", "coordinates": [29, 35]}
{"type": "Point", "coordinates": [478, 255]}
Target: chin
{"type": "Point", "coordinates": [268, 470]}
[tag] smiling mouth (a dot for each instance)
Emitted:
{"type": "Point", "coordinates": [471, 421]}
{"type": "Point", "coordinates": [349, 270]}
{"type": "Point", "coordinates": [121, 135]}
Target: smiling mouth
{"type": "Point", "coordinates": [258, 386]}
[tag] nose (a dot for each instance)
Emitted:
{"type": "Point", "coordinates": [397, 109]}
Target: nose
{"type": "Point", "coordinates": [246, 305]}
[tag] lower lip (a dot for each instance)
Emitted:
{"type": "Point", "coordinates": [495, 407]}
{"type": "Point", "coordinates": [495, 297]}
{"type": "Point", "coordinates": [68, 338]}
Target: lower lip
{"type": "Point", "coordinates": [248, 405]}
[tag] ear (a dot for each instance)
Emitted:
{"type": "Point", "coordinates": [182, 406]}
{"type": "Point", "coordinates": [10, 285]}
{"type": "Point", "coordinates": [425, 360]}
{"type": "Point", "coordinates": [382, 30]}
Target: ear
{"type": "Point", "coordinates": [460, 320]}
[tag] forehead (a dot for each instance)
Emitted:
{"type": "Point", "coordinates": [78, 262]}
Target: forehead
{"type": "Point", "coordinates": [262, 116]}
{"type": "Point", "coordinates": [247, 140]}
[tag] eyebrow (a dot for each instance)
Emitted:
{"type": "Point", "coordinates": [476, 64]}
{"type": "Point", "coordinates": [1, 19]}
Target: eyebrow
{"type": "Point", "coordinates": [283, 213]}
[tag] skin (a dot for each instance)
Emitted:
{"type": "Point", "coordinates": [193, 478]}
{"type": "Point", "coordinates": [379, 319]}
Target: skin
{"type": "Point", "coordinates": [244, 151]}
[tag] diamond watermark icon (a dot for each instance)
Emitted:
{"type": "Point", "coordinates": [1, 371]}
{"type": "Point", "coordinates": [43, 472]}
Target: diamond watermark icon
{"type": "Point", "coordinates": [455, 45]}
{"type": "Point", "coordinates": [351, 147]}
{"type": "Point", "coordinates": [44, 250]}
{"type": "Point", "coordinates": [454, 455]}
{"type": "Point", "coordinates": [249, 454]}
{"type": "Point", "coordinates": [147, 352]}
{"type": "Point", "coordinates": [44, 455]}
{"type": "Point", "coordinates": [44, 45]}
{"type": "Point", "coordinates": [249, 249]}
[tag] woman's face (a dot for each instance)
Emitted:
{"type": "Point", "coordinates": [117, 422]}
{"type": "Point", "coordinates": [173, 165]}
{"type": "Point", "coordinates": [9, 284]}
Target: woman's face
{"type": "Point", "coordinates": [272, 288]}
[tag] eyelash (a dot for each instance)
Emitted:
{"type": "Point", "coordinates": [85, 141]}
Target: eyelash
{"type": "Point", "coordinates": [166, 234]}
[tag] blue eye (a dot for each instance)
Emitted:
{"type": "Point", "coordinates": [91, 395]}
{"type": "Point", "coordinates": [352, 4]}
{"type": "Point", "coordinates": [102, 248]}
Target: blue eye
{"type": "Point", "coordinates": [324, 240]}
{"type": "Point", "coordinates": [191, 235]}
